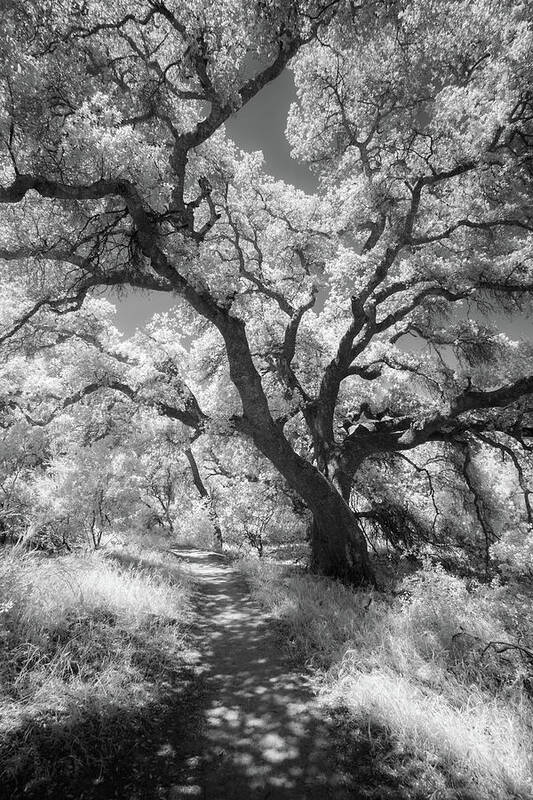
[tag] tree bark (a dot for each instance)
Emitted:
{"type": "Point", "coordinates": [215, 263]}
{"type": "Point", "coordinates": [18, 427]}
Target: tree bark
{"type": "Point", "coordinates": [338, 545]}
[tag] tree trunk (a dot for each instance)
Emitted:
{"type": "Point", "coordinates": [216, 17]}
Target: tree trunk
{"type": "Point", "coordinates": [338, 546]}
{"type": "Point", "coordinates": [218, 538]}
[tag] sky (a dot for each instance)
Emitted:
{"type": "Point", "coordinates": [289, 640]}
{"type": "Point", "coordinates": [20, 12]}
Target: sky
{"type": "Point", "coordinates": [260, 125]}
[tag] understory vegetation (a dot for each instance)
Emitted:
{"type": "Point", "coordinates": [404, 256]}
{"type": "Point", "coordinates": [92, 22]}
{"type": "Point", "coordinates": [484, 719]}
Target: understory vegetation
{"type": "Point", "coordinates": [431, 679]}
{"type": "Point", "coordinates": [92, 665]}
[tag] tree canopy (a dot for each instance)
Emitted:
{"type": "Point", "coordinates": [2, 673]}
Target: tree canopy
{"type": "Point", "coordinates": [353, 336]}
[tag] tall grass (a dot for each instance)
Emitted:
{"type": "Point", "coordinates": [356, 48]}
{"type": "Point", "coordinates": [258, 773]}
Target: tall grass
{"type": "Point", "coordinates": [415, 674]}
{"type": "Point", "coordinates": [88, 646]}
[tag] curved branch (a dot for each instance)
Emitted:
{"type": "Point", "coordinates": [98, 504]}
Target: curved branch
{"type": "Point", "coordinates": [471, 400]}
{"type": "Point", "coordinates": [56, 190]}
{"type": "Point", "coordinates": [466, 223]}
{"type": "Point", "coordinates": [63, 305]}
{"type": "Point", "coordinates": [190, 415]}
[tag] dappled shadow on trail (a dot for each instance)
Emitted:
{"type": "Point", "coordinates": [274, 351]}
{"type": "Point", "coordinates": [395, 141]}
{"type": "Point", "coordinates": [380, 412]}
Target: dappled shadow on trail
{"type": "Point", "coordinates": [263, 735]}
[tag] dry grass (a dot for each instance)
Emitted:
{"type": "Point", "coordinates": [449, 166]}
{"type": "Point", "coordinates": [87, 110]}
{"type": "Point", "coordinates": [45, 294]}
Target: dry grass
{"type": "Point", "coordinates": [413, 669]}
{"type": "Point", "coordinates": [89, 647]}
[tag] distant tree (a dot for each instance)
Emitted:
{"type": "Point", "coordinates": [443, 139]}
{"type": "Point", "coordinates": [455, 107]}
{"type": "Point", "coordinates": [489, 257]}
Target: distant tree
{"type": "Point", "coordinates": [116, 171]}
{"type": "Point", "coordinates": [89, 445]}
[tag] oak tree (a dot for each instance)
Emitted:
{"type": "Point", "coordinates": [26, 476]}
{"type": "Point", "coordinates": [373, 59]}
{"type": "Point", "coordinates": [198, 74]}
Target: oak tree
{"type": "Point", "coordinates": [116, 170]}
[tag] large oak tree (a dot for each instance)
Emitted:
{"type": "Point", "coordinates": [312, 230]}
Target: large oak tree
{"type": "Point", "coordinates": [116, 171]}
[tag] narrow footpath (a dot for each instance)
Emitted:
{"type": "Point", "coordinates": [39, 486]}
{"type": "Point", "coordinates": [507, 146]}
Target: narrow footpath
{"type": "Point", "coordinates": [262, 735]}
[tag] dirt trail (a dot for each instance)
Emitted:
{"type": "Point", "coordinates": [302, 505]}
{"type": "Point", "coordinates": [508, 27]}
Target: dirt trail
{"type": "Point", "coordinates": [262, 736]}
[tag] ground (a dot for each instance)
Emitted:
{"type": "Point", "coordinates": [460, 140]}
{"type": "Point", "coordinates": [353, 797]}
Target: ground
{"type": "Point", "coordinates": [262, 735]}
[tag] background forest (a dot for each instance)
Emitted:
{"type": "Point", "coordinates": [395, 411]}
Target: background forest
{"type": "Point", "coordinates": [339, 396]}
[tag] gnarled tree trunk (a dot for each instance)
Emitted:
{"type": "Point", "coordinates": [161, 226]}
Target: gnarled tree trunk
{"type": "Point", "coordinates": [338, 545]}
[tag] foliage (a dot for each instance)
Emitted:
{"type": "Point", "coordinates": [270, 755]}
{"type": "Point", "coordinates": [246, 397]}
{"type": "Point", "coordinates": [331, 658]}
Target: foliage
{"type": "Point", "coordinates": [300, 311]}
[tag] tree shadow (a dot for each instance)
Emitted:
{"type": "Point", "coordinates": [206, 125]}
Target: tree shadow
{"type": "Point", "coordinates": [386, 771]}
{"type": "Point", "coordinates": [98, 750]}
{"type": "Point", "coordinates": [264, 735]}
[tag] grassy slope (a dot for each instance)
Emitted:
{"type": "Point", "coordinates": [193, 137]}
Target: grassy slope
{"type": "Point", "coordinates": [426, 710]}
{"type": "Point", "coordinates": [92, 674]}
